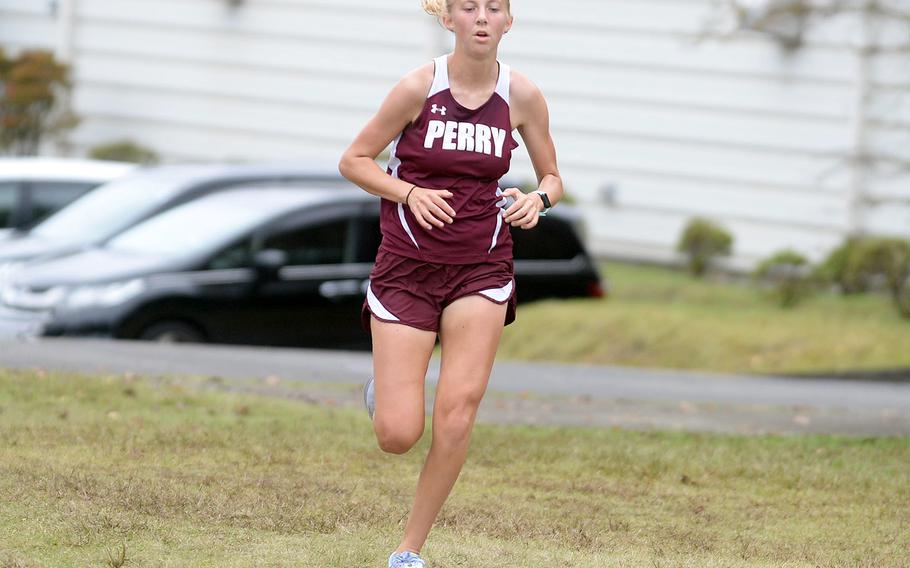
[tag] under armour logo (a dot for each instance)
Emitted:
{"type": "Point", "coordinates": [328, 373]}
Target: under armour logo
{"type": "Point", "coordinates": [440, 110]}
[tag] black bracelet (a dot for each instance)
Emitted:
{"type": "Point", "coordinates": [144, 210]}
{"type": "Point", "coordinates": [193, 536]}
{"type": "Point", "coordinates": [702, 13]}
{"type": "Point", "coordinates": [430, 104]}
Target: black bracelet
{"type": "Point", "coordinates": [409, 195]}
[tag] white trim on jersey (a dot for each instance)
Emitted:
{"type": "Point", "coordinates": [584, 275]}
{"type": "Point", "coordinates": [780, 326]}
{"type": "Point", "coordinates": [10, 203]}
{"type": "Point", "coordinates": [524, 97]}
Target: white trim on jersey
{"type": "Point", "coordinates": [440, 75]}
{"type": "Point", "coordinates": [404, 223]}
{"type": "Point", "coordinates": [498, 294]}
{"type": "Point", "coordinates": [377, 307]}
{"type": "Point", "coordinates": [502, 86]}
{"type": "Point", "coordinates": [499, 205]}
{"type": "Point", "coordinates": [496, 232]}
{"type": "Point", "coordinates": [394, 162]}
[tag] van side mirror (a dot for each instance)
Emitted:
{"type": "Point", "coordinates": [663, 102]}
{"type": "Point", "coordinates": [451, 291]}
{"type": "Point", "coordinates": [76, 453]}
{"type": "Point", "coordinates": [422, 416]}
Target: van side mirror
{"type": "Point", "coordinates": [269, 261]}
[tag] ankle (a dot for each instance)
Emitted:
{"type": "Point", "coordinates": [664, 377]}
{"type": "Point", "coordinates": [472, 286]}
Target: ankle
{"type": "Point", "coordinates": [403, 548]}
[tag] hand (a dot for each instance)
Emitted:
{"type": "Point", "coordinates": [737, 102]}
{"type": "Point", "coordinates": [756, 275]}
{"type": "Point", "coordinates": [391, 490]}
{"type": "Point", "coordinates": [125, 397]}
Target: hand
{"type": "Point", "coordinates": [430, 208]}
{"type": "Point", "coordinates": [525, 211]}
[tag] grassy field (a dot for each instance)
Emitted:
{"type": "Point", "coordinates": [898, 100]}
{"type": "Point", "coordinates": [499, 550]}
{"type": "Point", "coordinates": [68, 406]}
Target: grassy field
{"type": "Point", "coordinates": [95, 467]}
{"type": "Point", "coordinates": [657, 317]}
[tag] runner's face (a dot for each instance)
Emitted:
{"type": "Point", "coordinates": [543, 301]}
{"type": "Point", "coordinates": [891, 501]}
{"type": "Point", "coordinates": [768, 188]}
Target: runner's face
{"type": "Point", "coordinates": [479, 24]}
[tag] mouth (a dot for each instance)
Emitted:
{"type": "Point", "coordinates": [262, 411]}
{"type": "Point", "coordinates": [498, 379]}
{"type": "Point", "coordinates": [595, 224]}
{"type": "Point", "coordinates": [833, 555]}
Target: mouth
{"type": "Point", "coordinates": [481, 34]}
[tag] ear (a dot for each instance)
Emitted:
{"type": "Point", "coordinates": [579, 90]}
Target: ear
{"type": "Point", "coordinates": [447, 23]}
{"type": "Point", "coordinates": [509, 25]}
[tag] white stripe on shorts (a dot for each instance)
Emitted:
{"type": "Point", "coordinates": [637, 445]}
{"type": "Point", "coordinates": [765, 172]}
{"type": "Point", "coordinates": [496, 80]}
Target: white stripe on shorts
{"type": "Point", "coordinates": [377, 308]}
{"type": "Point", "coordinates": [498, 294]}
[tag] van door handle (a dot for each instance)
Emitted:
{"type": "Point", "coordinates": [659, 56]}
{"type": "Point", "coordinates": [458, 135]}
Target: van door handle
{"type": "Point", "coordinates": [338, 289]}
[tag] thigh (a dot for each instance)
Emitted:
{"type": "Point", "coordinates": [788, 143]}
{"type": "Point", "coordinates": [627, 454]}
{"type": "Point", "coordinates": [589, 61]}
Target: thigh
{"type": "Point", "coordinates": [470, 331]}
{"type": "Point", "coordinates": [401, 355]}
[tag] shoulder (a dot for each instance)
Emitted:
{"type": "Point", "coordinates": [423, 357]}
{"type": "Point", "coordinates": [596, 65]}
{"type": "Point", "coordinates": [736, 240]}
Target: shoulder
{"type": "Point", "coordinates": [406, 99]}
{"type": "Point", "coordinates": [526, 101]}
{"type": "Point", "coordinates": [523, 91]}
{"type": "Point", "coordinates": [415, 84]}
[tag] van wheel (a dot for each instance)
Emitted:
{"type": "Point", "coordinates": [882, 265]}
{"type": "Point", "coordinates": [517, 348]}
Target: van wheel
{"type": "Point", "coordinates": [172, 332]}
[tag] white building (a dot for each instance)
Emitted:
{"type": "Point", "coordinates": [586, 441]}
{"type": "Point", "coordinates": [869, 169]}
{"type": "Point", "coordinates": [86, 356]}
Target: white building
{"type": "Point", "coordinates": [652, 124]}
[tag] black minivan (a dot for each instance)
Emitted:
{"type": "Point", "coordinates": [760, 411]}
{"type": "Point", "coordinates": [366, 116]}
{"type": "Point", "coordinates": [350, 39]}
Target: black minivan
{"type": "Point", "coordinates": [253, 265]}
{"type": "Point", "coordinates": [142, 193]}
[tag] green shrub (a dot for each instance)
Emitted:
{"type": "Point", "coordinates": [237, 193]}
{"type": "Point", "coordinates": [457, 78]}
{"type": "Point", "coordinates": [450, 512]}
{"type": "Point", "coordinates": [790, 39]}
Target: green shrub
{"type": "Point", "coordinates": [863, 264]}
{"type": "Point", "coordinates": [789, 273]}
{"type": "Point", "coordinates": [836, 268]}
{"type": "Point", "coordinates": [902, 301]}
{"type": "Point", "coordinates": [881, 260]}
{"type": "Point", "coordinates": [703, 240]}
{"type": "Point", "coordinates": [885, 261]}
{"type": "Point", "coordinates": [124, 151]}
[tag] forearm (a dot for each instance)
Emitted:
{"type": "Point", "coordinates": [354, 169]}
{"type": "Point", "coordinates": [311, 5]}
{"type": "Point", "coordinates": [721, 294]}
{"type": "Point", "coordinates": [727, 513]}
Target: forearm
{"type": "Point", "coordinates": [367, 174]}
{"type": "Point", "coordinates": [551, 184]}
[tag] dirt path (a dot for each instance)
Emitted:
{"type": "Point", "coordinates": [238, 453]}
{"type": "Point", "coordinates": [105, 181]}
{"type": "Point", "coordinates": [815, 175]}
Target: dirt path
{"type": "Point", "coordinates": [519, 393]}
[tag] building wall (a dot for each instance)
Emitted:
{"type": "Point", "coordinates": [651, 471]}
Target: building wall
{"type": "Point", "coordinates": [653, 123]}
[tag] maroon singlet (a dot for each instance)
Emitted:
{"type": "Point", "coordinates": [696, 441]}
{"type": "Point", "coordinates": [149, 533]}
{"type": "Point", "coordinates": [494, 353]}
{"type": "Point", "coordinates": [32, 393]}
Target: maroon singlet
{"type": "Point", "coordinates": [465, 151]}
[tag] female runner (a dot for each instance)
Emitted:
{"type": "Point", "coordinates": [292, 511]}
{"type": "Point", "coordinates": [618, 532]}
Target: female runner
{"type": "Point", "coordinates": [445, 262]}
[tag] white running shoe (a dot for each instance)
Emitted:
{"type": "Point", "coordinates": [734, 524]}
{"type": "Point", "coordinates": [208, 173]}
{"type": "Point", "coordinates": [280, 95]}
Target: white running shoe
{"type": "Point", "coordinates": [369, 397]}
{"type": "Point", "coordinates": [406, 559]}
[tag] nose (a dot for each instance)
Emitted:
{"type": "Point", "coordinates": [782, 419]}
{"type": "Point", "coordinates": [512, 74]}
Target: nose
{"type": "Point", "coordinates": [481, 14]}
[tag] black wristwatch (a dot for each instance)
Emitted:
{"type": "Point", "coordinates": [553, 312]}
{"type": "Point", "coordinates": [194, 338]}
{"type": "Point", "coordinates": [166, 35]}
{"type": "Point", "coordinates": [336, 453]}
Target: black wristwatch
{"type": "Point", "coordinates": [546, 202]}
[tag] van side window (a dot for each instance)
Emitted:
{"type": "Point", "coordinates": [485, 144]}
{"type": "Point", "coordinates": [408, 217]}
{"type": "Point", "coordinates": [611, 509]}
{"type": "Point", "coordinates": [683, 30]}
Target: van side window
{"type": "Point", "coordinates": [324, 243]}
{"type": "Point", "coordinates": [49, 196]}
{"type": "Point", "coordinates": [236, 255]}
{"type": "Point", "coordinates": [551, 239]}
{"type": "Point", "coordinates": [9, 197]}
{"type": "Point", "coordinates": [370, 237]}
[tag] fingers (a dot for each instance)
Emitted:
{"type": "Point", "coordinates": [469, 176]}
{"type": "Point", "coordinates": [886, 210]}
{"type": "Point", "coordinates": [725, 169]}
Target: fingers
{"type": "Point", "coordinates": [515, 194]}
{"type": "Point", "coordinates": [430, 208]}
{"type": "Point", "coordinates": [522, 212]}
{"type": "Point", "coordinates": [532, 223]}
{"type": "Point", "coordinates": [444, 205]}
{"type": "Point", "coordinates": [439, 214]}
{"type": "Point", "coordinates": [529, 218]}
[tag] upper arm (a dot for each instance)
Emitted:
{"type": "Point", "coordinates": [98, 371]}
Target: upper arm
{"type": "Point", "coordinates": [533, 123]}
{"type": "Point", "coordinates": [401, 106]}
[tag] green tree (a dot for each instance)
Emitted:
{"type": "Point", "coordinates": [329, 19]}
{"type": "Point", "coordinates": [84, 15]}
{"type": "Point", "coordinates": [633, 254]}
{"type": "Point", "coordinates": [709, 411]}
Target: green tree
{"type": "Point", "coordinates": [789, 273]}
{"type": "Point", "coordinates": [34, 101]}
{"type": "Point", "coordinates": [702, 240]}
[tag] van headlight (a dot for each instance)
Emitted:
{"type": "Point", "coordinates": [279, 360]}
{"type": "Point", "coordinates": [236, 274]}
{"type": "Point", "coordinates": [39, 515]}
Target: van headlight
{"type": "Point", "coordinates": [8, 269]}
{"type": "Point", "coordinates": [25, 298]}
{"type": "Point", "coordinates": [103, 295]}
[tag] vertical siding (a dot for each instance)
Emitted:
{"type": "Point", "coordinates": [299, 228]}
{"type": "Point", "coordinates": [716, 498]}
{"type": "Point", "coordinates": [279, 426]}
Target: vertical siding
{"type": "Point", "coordinates": [268, 80]}
{"type": "Point", "coordinates": [27, 24]}
{"type": "Point", "coordinates": [652, 124]}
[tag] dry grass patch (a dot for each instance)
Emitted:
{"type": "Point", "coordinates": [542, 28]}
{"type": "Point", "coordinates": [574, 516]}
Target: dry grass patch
{"type": "Point", "coordinates": [113, 471]}
{"type": "Point", "coordinates": [657, 317]}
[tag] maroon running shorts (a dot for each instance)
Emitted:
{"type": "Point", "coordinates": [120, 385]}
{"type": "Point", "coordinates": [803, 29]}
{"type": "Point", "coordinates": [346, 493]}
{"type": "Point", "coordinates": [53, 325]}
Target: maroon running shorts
{"type": "Point", "coordinates": [413, 292]}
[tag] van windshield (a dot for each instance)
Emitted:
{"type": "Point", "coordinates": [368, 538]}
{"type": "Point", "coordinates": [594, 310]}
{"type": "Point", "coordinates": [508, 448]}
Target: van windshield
{"type": "Point", "coordinates": [201, 224]}
{"type": "Point", "coordinates": [106, 211]}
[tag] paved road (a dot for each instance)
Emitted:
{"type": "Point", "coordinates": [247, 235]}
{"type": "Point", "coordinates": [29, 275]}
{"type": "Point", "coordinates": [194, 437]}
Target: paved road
{"type": "Point", "coordinates": [519, 392]}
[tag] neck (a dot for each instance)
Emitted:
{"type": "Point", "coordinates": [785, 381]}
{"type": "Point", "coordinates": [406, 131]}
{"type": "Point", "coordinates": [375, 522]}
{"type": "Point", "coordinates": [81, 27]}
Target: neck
{"type": "Point", "coordinates": [470, 70]}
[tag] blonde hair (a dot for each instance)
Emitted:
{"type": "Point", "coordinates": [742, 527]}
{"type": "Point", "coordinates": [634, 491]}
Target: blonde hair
{"type": "Point", "coordinates": [440, 8]}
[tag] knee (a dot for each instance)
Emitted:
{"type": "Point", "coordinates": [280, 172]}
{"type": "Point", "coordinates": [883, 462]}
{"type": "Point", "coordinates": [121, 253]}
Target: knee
{"type": "Point", "coordinates": [397, 440]}
{"type": "Point", "coordinates": [454, 425]}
